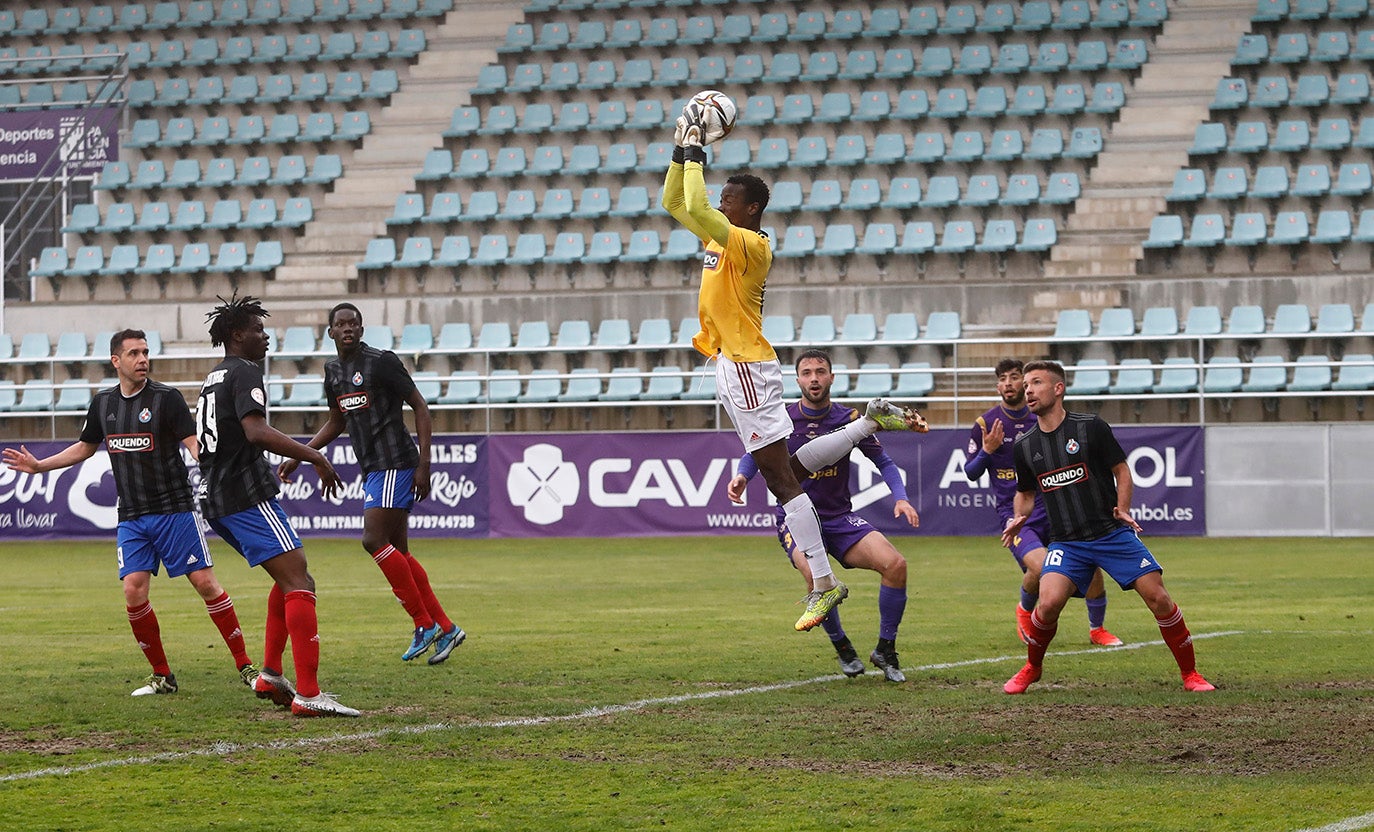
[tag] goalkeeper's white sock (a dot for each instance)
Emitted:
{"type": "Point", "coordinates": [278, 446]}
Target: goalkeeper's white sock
{"type": "Point", "coordinates": [829, 448]}
{"type": "Point", "coordinates": [805, 526]}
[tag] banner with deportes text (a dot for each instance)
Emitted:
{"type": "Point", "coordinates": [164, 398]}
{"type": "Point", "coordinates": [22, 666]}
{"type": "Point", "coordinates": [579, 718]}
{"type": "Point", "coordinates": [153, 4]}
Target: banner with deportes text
{"type": "Point", "coordinates": [28, 139]}
{"type": "Point", "coordinates": [615, 485]}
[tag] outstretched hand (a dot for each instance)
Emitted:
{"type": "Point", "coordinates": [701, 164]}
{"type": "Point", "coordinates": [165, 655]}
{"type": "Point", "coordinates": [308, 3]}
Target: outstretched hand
{"type": "Point", "coordinates": [330, 484]}
{"type": "Point", "coordinates": [1013, 526]}
{"type": "Point", "coordinates": [21, 460]}
{"type": "Point", "coordinates": [993, 436]}
{"type": "Point", "coordinates": [904, 509]}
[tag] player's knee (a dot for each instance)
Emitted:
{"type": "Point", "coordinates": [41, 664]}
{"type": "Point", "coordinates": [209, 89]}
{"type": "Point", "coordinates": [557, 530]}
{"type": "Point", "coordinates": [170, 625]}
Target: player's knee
{"type": "Point", "coordinates": [205, 584]}
{"type": "Point", "coordinates": [135, 593]}
{"type": "Point", "coordinates": [895, 570]}
{"type": "Point", "coordinates": [373, 542]}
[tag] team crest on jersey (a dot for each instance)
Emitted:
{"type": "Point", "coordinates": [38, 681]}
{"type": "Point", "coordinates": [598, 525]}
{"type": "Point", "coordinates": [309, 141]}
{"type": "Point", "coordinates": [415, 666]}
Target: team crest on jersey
{"type": "Point", "coordinates": [145, 416]}
{"type": "Point", "coordinates": [711, 261]}
{"type": "Point", "coordinates": [972, 447]}
{"type": "Point", "coordinates": [358, 379]}
{"type": "Point", "coordinates": [1072, 446]}
{"type": "Point", "coordinates": [259, 396]}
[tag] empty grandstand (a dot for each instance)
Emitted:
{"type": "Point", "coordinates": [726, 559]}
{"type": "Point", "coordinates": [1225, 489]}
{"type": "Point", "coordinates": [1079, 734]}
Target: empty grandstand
{"type": "Point", "coordinates": [1172, 197]}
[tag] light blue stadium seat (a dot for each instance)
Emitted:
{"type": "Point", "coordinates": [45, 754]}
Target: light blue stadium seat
{"type": "Point", "coordinates": [594, 202]}
{"type": "Point", "coordinates": [927, 148]}
{"type": "Point", "coordinates": [1190, 184]}
{"type": "Point", "coordinates": [1353, 179]}
{"type": "Point", "coordinates": [864, 195]}
{"type": "Point", "coordinates": [1068, 99]}
{"type": "Point", "coordinates": [1206, 320]}
{"type": "Point", "coordinates": [1004, 146]}
{"type": "Point", "coordinates": [1269, 91]}
{"type": "Point", "coordinates": [999, 236]}
{"type": "Point", "coordinates": [918, 237]}
{"type": "Point", "coordinates": [1135, 377]}
{"type": "Point", "coordinates": [1089, 378]}
{"type": "Point", "coordinates": [1290, 229]}
{"type": "Point", "coordinates": [1228, 183]}
{"type": "Point", "coordinates": [1247, 229]}
{"type": "Point", "coordinates": [1333, 227]}
{"type": "Point", "coordinates": [983, 190]}
{"type": "Point", "coordinates": [1312, 375]}
{"type": "Point", "coordinates": [1159, 321]}
{"type": "Point", "coordinates": [1332, 134]}
{"type": "Point", "coordinates": [1311, 91]}
{"type": "Point", "coordinates": [1350, 89]}
{"type": "Point", "coordinates": [1292, 319]}
{"type": "Point", "coordinates": [52, 261]}
{"type": "Point", "coordinates": [1046, 144]}
{"type": "Point", "coordinates": [1356, 372]}
{"type": "Point", "coordinates": [1246, 319]}
{"type": "Point", "coordinates": [941, 192]}
{"type": "Point", "coordinates": [416, 252]}
{"type": "Point", "coordinates": [231, 257]}
{"type": "Point", "coordinates": [195, 258]}
{"type": "Point", "coordinates": [1208, 230]}
{"type": "Point", "coordinates": [796, 241]}
{"type": "Point", "coordinates": [1073, 323]}
{"type": "Point", "coordinates": [965, 146]}
{"type": "Point", "coordinates": [950, 102]}
{"type": "Point", "coordinates": [1266, 376]}
{"type": "Point", "coordinates": [1271, 182]}
{"type": "Point", "coordinates": [1335, 318]}
{"type": "Point", "coordinates": [1250, 137]}
{"type": "Point", "coordinates": [958, 237]}
{"type": "Point", "coordinates": [1022, 189]}
{"type": "Point", "coordinates": [261, 213]}
{"type": "Point", "coordinates": [1028, 100]}
{"type": "Point", "coordinates": [158, 260]}
{"type": "Point", "coordinates": [825, 196]}
{"type": "Point", "coordinates": [1051, 57]}
{"type": "Point", "coordinates": [1039, 235]}
{"type": "Point", "coordinates": [1209, 139]}
{"type": "Point", "coordinates": [1166, 231]}
{"type": "Point", "coordinates": [839, 241]}
{"type": "Point", "coordinates": [875, 381]}
{"type": "Point", "coordinates": [1177, 376]}
{"type": "Point", "coordinates": [903, 192]}
{"type": "Point", "coordinates": [380, 254]}
{"type": "Point", "coordinates": [1231, 94]}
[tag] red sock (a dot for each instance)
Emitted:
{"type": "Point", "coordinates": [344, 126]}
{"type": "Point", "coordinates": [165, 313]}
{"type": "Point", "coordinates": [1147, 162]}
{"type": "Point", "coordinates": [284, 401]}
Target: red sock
{"type": "Point", "coordinates": [305, 640]}
{"type": "Point", "coordinates": [1040, 637]}
{"type": "Point", "coordinates": [221, 612]}
{"type": "Point", "coordinates": [274, 636]}
{"type": "Point", "coordinates": [396, 567]}
{"type": "Point", "coordinates": [432, 604]}
{"type": "Point", "coordinates": [143, 621]}
{"type": "Point", "coordinates": [1178, 638]}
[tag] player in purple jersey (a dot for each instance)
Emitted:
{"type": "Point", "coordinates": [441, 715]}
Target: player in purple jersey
{"type": "Point", "coordinates": [989, 451]}
{"type": "Point", "coordinates": [365, 388]}
{"type": "Point", "coordinates": [1075, 462]}
{"type": "Point", "coordinates": [847, 536]}
{"type": "Point", "coordinates": [144, 425]}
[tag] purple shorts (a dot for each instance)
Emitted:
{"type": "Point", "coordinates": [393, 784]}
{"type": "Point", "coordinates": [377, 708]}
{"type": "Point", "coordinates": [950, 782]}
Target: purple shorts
{"type": "Point", "coordinates": [1030, 539]}
{"type": "Point", "coordinates": [840, 534]}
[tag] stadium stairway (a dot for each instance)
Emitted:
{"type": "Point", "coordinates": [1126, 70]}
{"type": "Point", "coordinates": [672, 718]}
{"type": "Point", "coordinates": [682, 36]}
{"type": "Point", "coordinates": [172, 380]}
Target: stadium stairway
{"type": "Point", "coordinates": [1150, 141]}
{"type": "Point", "coordinates": [322, 264]}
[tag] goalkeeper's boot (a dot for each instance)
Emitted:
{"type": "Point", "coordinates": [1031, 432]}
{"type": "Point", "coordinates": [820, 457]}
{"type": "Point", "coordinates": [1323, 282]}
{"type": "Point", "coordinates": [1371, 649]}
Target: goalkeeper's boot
{"type": "Point", "coordinates": [819, 604]}
{"type": "Point", "coordinates": [157, 683]}
{"type": "Point", "coordinates": [422, 641]}
{"type": "Point", "coordinates": [446, 642]}
{"type": "Point", "coordinates": [274, 686]}
{"type": "Point", "coordinates": [249, 674]}
{"type": "Point", "coordinates": [884, 657]}
{"type": "Point", "coordinates": [850, 663]}
{"type": "Point", "coordinates": [1024, 678]}
{"type": "Point", "coordinates": [1194, 683]}
{"type": "Point", "coordinates": [324, 704]}
{"type": "Point", "coordinates": [891, 416]}
{"type": "Point", "coordinates": [1100, 636]}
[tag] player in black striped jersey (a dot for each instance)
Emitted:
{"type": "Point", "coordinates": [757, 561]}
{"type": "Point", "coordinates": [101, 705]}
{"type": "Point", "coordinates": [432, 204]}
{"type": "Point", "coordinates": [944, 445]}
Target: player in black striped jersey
{"type": "Point", "coordinates": [1075, 462]}
{"type": "Point", "coordinates": [144, 425]}
{"type": "Point", "coordinates": [239, 496]}
{"type": "Point", "coordinates": [366, 389]}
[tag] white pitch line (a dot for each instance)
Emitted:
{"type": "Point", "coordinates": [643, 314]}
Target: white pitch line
{"type": "Point", "coordinates": [1347, 825]}
{"type": "Point", "coordinates": [224, 748]}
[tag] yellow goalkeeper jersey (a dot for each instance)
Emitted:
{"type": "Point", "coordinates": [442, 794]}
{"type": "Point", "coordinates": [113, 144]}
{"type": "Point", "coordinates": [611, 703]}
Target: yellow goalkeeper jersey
{"type": "Point", "coordinates": [733, 273]}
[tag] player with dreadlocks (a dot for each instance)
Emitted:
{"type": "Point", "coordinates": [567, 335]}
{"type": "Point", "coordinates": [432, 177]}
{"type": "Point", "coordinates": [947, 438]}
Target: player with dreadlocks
{"type": "Point", "coordinates": [239, 499]}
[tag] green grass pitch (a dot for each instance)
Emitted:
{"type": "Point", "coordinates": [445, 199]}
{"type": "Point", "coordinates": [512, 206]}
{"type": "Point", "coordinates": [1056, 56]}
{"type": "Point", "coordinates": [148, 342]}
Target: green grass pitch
{"type": "Point", "coordinates": [657, 684]}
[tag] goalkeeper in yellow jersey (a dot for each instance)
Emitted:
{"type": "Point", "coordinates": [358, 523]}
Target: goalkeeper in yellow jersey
{"type": "Point", "coordinates": [748, 375]}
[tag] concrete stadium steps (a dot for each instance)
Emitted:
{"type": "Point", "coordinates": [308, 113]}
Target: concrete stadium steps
{"type": "Point", "coordinates": [323, 259]}
{"type": "Point", "coordinates": [1150, 141]}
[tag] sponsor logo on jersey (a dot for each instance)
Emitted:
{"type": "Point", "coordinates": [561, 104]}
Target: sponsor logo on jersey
{"type": "Point", "coordinates": [353, 401]}
{"type": "Point", "coordinates": [711, 261]}
{"type": "Point", "coordinates": [121, 443]}
{"type": "Point", "coordinates": [358, 379]}
{"type": "Point", "coordinates": [1072, 446]}
{"type": "Point", "coordinates": [1052, 480]}
{"type": "Point", "coordinates": [145, 416]}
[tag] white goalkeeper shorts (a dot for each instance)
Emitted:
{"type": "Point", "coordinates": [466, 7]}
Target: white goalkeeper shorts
{"type": "Point", "coordinates": [751, 394]}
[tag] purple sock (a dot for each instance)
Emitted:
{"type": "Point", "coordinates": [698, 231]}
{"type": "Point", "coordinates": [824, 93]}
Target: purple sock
{"type": "Point", "coordinates": [831, 625]}
{"type": "Point", "coordinates": [891, 605]}
{"type": "Point", "coordinates": [1097, 611]}
{"type": "Point", "coordinates": [1028, 600]}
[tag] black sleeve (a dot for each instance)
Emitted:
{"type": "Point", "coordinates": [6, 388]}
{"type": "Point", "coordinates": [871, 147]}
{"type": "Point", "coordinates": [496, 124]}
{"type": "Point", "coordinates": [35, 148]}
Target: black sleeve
{"type": "Point", "coordinates": [248, 389]}
{"type": "Point", "coordinates": [1025, 477]}
{"type": "Point", "coordinates": [93, 433]}
{"type": "Point", "coordinates": [179, 419]}
{"type": "Point", "coordinates": [1104, 441]}
{"type": "Point", "coordinates": [395, 376]}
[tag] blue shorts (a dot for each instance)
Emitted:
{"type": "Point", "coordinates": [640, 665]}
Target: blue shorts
{"type": "Point", "coordinates": [1026, 541]}
{"type": "Point", "coordinates": [839, 534]}
{"type": "Point", "coordinates": [1119, 554]}
{"type": "Point", "coordinates": [174, 540]}
{"type": "Point", "coordinates": [390, 489]}
{"type": "Point", "coordinates": [259, 533]}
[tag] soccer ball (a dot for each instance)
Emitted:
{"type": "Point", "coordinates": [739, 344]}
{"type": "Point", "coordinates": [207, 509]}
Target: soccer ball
{"type": "Point", "coordinates": [715, 111]}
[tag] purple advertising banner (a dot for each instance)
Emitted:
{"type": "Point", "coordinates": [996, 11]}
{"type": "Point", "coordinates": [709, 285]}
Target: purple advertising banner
{"type": "Point", "coordinates": [79, 502]}
{"type": "Point", "coordinates": [615, 485]}
{"type": "Point", "coordinates": [630, 484]}
{"type": "Point", "coordinates": [87, 138]}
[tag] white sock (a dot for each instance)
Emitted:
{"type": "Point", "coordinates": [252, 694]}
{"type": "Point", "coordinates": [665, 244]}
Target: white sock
{"type": "Point", "coordinates": [805, 526]}
{"type": "Point", "coordinates": [829, 448]}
